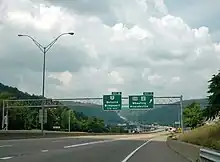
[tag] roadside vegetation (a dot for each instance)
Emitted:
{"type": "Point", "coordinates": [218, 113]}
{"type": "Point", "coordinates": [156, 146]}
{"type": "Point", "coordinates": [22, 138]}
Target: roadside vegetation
{"type": "Point", "coordinates": [24, 118]}
{"type": "Point", "coordinates": [207, 136]}
{"type": "Point", "coordinates": [196, 118]}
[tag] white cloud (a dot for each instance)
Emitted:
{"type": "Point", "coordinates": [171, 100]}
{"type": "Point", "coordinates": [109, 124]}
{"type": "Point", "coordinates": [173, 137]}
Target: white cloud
{"type": "Point", "coordinates": [143, 48]}
{"type": "Point", "coordinates": [112, 90]}
{"type": "Point", "coordinates": [175, 79]}
{"type": "Point", "coordinates": [122, 33]}
{"type": "Point", "coordinates": [64, 77]}
{"type": "Point", "coordinates": [155, 79]}
{"type": "Point", "coordinates": [115, 78]}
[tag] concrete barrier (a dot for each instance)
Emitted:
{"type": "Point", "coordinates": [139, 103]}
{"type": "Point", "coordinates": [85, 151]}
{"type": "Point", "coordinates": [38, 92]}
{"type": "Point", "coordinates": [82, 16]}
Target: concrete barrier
{"type": "Point", "coordinates": [187, 150]}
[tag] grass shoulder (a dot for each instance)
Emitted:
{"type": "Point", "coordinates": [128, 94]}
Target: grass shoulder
{"type": "Point", "coordinates": [207, 136]}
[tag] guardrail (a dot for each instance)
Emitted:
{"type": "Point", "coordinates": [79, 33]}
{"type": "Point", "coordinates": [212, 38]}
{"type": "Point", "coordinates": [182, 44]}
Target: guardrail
{"type": "Point", "coordinates": [207, 155]}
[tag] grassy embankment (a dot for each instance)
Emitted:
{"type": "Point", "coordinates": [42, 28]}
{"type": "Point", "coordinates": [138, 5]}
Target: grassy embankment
{"type": "Point", "coordinates": [207, 136]}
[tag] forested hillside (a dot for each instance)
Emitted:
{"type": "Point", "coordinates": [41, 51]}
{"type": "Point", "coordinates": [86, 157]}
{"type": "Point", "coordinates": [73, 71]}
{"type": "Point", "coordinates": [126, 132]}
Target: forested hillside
{"type": "Point", "coordinates": [109, 117]}
{"type": "Point", "coordinates": [84, 117]}
{"type": "Point", "coordinates": [164, 115]}
{"type": "Point", "coordinates": [24, 118]}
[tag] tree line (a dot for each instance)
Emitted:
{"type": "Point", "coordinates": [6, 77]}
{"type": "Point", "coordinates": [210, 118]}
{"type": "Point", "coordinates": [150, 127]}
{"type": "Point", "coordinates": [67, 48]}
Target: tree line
{"type": "Point", "coordinates": [194, 116]}
{"type": "Point", "coordinates": [26, 118]}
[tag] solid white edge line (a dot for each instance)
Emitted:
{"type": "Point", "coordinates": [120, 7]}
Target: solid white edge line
{"type": "Point", "coordinates": [88, 143]}
{"type": "Point", "coordinates": [133, 152]}
{"type": "Point", "coordinates": [6, 158]}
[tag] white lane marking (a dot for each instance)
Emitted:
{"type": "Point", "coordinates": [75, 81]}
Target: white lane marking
{"type": "Point", "coordinates": [6, 158]}
{"type": "Point", "coordinates": [133, 152]}
{"type": "Point", "coordinates": [5, 146]}
{"type": "Point", "coordinates": [88, 143]}
{"type": "Point", "coordinates": [44, 150]}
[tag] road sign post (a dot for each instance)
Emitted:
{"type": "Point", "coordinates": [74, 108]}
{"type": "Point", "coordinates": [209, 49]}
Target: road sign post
{"type": "Point", "coordinates": [112, 102]}
{"type": "Point", "coordinates": [141, 102]}
{"type": "Point", "coordinates": [41, 116]}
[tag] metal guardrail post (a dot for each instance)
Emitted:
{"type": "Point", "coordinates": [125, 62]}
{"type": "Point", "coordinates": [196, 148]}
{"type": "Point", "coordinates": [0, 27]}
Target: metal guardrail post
{"type": "Point", "coordinates": [209, 155]}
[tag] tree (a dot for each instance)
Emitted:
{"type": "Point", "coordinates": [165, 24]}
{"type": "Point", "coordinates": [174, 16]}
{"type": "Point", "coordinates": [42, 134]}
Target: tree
{"type": "Point", "coordinates": [193, 116]}
{"type": "Point", "coordinates": [95, 125]}
{"type": "Point", "coordinates": [214, 98]}
{"type": "Point", "coordinates": [24, 117]}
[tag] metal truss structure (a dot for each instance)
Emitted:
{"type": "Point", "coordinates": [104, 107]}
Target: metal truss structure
{"type": "Point", "coordinates": [53, 103]}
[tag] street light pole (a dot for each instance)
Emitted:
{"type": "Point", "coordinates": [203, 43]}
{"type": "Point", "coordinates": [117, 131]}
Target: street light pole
{"type": "Point", "coordinates": [44, 50]}
{"type": "Point", "coordinates": [43, 89]}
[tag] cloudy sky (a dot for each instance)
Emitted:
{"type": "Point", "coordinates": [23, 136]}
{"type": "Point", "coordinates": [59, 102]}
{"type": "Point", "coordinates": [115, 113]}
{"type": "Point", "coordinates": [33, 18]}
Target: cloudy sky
{"type": "Point", "coordinates": [167, 46]}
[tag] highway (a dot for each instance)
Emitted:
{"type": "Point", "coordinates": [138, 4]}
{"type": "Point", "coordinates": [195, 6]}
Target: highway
{"type": "Point", "coordinates": [127, 148]}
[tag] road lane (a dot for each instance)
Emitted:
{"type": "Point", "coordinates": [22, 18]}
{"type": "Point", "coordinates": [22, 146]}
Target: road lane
{"type": "Point", "coordinates": [156, 151]}
{"type": "Point", "coordinates": [114, 151]}
{"type": "Point", "coordinates": [134, 148]}
{"type": "Point", "coordinates": [33, 146]}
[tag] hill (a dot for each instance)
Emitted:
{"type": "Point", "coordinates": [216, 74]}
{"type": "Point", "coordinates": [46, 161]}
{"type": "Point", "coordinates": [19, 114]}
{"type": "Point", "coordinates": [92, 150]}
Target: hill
{"type": "Point", "coordinates": [164, 115]}
{"type": "Point", "coordinates": [109, 117]}
{"type": "Point", "coordinates": [24, 118]}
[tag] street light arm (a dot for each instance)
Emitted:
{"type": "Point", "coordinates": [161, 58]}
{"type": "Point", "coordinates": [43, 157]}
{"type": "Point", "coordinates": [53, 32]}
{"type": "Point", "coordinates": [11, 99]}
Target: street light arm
{"type": "Point", "coordinates": [55, 40]}
{"type": "Point", "coordinates": [36, 42]}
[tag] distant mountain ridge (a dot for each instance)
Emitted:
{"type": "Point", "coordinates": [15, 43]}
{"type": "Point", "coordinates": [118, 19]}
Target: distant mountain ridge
{"type": "Point", "coordinates": [109, 117]}
{"type": "Point", "coordinates": [26, 118]}
{"type": "Point", "coordinates": [164, 115]}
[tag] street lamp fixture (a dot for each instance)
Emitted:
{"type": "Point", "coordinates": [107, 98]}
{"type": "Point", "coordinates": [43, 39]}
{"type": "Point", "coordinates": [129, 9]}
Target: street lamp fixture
{"type": "Point", "coordinates": [71, 33]}
{"type": "Point", "coordinates": [44, 49]}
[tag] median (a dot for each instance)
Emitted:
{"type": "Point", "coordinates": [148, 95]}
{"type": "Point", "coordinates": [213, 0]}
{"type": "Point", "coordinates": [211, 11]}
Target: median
{"type": "Point", "coordinates": [25, 134]}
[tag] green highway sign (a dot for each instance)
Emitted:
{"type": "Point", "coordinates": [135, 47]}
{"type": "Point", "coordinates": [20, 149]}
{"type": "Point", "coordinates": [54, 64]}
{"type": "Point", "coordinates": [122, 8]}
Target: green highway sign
{"type": "Point", "coordinates": [112, 102]}
{"type": "Point", "coordinates": [148, 93]}
{"type": "Point", "coordinates": [177, 122]}
{"type": "Point", "coordinates": [141, 102]}
{"type": "Point", "coordinates": [116, 93]}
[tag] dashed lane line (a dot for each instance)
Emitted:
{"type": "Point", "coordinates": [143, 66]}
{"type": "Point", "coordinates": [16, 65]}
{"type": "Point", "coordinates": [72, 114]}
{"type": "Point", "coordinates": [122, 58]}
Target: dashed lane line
{"type": "Point", "coordinates": [6, 158]}
{"type": "Point", "coordinates": [88, 143]}
{"type": "Point", "coordinates": [2, 146]}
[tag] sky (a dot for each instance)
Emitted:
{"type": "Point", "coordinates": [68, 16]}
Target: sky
{"type": "Point", "coordinates": [168, 47]}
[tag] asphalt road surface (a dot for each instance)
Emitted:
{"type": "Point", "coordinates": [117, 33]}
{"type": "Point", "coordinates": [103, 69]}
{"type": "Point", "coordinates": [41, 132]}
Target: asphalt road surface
{"type": "Point", "coordinates": [126, 149]}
